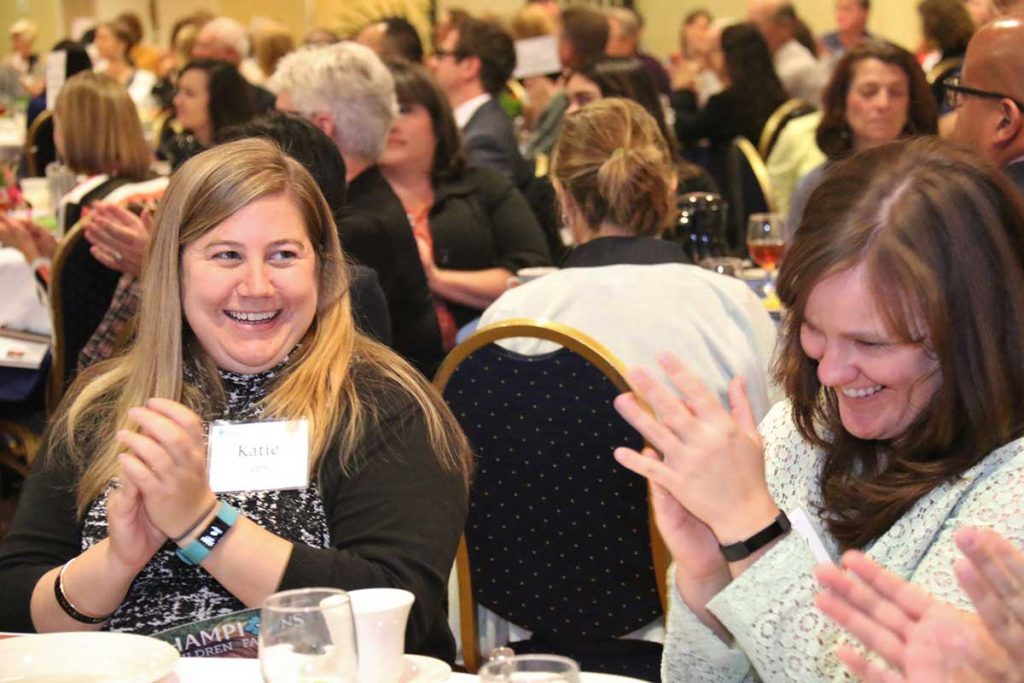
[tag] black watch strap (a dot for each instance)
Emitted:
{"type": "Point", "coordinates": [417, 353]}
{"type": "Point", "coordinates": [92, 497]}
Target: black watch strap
{"type": "Point", "coordinates": [734, 552]}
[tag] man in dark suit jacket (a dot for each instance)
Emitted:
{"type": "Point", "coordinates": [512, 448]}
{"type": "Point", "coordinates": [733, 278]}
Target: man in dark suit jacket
{"type": "Point", "coordinates": [472, 65]}
{"type": "Point", "coordinates": [990, 114]}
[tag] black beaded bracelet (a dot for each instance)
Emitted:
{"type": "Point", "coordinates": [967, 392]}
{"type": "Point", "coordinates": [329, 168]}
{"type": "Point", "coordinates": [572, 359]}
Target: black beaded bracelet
{"type": "Point", "coordinates": [65, 604]}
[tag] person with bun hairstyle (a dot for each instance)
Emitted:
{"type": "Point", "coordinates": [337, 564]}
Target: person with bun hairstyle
{"type": "Point", "coordinates": [628, 289]}
{"type": "Point", "coordinates": [614, 179]}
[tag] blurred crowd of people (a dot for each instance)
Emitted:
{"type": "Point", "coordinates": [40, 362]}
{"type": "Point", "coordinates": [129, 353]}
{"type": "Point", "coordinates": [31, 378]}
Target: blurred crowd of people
{"type": "Point", "coordinates": [273, 229]}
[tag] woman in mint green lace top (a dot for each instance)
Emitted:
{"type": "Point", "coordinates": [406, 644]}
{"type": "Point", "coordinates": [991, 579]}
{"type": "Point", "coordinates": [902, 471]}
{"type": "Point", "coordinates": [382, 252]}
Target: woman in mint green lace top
{"type": "Point", "coordinates": [901, 360]}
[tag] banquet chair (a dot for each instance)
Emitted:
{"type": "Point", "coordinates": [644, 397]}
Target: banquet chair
{"type": "Point", "coordinates": [81, 289]}
{"type": "Point", "coordinates": [39, 148]}
{"type": "Point", "coordinates": [560, 539]}
{"type": "Point", "coordinates": [786, 112]}
{"type": "Point", "coordinates": [747, 189]}
{"type": "Point", "coordinates": [943, 70]}
{"type": "Point", "coordinates": [938, 74]}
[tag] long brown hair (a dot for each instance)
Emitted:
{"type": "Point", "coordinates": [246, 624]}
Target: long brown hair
{"type": "Point", "coordinates": [834, 135]}
{"type": "Point", "coordinates": [941, 235]}
{"type": "Point", "coordinates": [318, 381]}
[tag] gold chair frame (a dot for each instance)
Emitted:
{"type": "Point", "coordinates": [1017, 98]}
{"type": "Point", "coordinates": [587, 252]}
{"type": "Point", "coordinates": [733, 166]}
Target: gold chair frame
{"type": "Point", "coordinates": [942, 69]}
{"type": "Point", "coordinates": [55, 388]}
{"type": "Point", "coordinates": [612, 368]}
{"type": "Point", "coordinates": [771, 127]}
{"type": "Point", "coordinates": [760, 170]}
{"type": "Point", "coordinates": [29, 149]}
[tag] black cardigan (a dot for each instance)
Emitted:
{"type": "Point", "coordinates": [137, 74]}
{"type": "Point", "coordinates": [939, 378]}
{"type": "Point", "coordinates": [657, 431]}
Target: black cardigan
{"type": "Point", "coordinates": [394, 521]}
{"type": "Point", "coordinates": [479, 220]}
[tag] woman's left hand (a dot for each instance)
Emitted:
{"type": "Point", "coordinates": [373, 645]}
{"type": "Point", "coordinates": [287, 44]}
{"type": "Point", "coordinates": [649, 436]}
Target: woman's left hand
{"type": "Point", "coordinates": [166, 460]}
{"type": "Point", "coordinates": [922, 639]}
{"type": "Point", "coordinates": [713, 462]}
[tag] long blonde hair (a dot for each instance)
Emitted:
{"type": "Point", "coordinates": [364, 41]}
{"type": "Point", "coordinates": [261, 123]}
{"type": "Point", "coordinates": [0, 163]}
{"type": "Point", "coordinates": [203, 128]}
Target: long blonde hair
{"type": "Point", "coordinates": [318, 381]}
{"type": "Point", "coordinates": [100, 126]}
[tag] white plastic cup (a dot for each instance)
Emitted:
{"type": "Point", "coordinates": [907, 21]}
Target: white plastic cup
{"type": "Point", "coordinates": [380, 616]}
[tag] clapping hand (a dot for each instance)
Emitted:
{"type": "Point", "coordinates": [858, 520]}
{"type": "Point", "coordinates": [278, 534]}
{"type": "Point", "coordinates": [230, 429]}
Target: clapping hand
{"type": "Point", "coordinates": [30, 239]}
{"type": "Point", "coordinates": [118, 237]}
{"type": "Point", "coordinates": [992, 574]}
{"type": "Point", "coordinates": [921, 639]}
{"type": "Point", "coordinates": [133, 537]}
{"type": "Point", "coordinates": [712, 459]}
{"type": "Point", "coordinates": [166, 461]}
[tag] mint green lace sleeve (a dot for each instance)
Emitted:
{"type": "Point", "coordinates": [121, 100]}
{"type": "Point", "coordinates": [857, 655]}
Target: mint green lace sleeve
{"type": "Point", "coordinates": [779, 635]}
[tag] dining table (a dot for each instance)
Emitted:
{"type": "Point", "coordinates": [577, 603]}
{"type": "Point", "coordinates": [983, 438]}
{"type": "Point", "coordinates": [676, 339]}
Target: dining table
{"type": "Point", "coordinates": [12, 137]}
{"type": "Point", "coordinates": [23, 305]}
{"type": "Point", "coordinates": [219, 669]}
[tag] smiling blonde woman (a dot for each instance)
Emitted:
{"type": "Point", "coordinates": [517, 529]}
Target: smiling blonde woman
{"type": "Point", "coordinates": [247, 317]}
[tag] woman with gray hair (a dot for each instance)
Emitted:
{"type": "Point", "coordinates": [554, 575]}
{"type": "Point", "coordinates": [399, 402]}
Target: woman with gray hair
{"type": "Point", "coordinates": [348, 93]}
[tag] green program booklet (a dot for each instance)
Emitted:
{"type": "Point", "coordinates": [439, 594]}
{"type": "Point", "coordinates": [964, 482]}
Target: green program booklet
{"type": "Point", "coordinates": [229, 635]}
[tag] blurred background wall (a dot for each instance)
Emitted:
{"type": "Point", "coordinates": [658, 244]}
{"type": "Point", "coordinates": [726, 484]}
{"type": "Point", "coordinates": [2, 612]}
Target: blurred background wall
{"type": "Point", "coordinates": [894, 19]}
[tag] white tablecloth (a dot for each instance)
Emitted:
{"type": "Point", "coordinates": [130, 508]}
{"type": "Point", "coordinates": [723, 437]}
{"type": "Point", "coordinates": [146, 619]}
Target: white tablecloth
{"type": "Point", "coordinates": [12, 137]}
{"type": "Point", "coordinates": [21, 305]}
{"type": "Point", "coordinates": [215, 670]}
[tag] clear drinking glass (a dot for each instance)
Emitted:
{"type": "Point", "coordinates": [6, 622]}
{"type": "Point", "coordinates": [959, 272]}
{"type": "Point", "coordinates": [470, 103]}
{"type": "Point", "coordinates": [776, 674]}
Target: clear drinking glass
{"type": "Point", "coordinates": [308, 636]}
{"type": "Point", "coordinates": [531, 669]}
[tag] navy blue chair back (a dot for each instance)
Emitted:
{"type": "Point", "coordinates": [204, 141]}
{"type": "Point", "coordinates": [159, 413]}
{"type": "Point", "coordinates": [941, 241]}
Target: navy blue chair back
{"type": "Point", "coordinates": [558, 535]}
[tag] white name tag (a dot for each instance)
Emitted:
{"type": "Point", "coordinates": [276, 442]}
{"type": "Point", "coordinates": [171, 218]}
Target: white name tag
{"type": "Point", "coordinates": [258, 456]}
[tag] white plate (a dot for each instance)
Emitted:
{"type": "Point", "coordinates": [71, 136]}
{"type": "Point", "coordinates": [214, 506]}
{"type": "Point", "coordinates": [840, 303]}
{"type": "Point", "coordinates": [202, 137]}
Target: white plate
{"type": "Point", "coordinates": [85, 657]}
{"type": "Point", "coordinates": [420, 669]}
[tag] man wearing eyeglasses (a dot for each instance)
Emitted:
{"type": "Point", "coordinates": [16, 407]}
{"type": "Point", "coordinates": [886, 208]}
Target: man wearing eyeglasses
{"type": "Point", "coordinates": [472, 65]}
{"type": "Point", "coordinates": [988, 96]}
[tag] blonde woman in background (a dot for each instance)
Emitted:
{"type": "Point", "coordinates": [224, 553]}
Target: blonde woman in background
{"type": "Point", "coordinates": [247, 317]}
{"type": "Point", "coordinates": [99, 138]}
{"type": "Point", "coordinates": [114, 42]}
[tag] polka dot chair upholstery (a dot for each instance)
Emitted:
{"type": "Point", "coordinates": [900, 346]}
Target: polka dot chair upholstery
{"type": "Point", "coordinates": [559, 536]}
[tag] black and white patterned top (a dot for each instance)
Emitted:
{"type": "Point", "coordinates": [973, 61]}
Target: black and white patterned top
{"type": "Point", "coordinates": [168, 593]}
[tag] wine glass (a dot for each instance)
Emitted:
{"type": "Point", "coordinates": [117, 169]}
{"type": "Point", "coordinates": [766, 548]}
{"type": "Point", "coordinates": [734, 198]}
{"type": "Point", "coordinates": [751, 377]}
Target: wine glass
{"type": "Point", "coordinates": [308, 635]}
{"type": "Point", "coordinates": [530, 668]}
{"type": "Point", "coordinates": [766, 243]}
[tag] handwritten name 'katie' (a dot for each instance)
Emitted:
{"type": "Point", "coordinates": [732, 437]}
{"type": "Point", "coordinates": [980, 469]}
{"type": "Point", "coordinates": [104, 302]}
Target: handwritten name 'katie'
{"type": "Point", "coordinates": [265, 450]}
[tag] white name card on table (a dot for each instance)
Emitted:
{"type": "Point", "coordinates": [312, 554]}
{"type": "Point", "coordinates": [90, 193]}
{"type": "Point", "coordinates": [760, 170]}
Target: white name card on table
{"type": "Point", "coordinates": [258, 456]}
{"type": "Point", "coordinates": [537, 57]}
{"type": "Point", "coordinates": [22, 349]}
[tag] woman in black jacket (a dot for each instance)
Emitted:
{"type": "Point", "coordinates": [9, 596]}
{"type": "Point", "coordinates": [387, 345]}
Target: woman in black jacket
{"type": "Point", "coordinates": [473, 227]}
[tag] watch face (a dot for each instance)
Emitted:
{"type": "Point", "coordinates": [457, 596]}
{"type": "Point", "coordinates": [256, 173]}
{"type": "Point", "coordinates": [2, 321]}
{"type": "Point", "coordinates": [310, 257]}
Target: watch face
{"type": "Point", "coordinates": [216, 529]}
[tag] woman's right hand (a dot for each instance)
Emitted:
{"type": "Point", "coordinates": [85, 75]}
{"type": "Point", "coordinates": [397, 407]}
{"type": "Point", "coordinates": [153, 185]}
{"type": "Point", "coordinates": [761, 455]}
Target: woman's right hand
{"type": "Point", "coordinates": [133, 537]}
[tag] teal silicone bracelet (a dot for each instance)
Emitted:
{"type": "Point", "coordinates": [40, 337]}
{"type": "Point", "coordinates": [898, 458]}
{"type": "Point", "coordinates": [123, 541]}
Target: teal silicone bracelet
{"type": "Point", "coordinates": [195, 552]}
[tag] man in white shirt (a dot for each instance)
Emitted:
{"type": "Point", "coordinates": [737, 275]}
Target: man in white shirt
{"type": "Point", "coordinates": [472, 65]}
{"type": "Point", "coordinates": [800, 72]}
